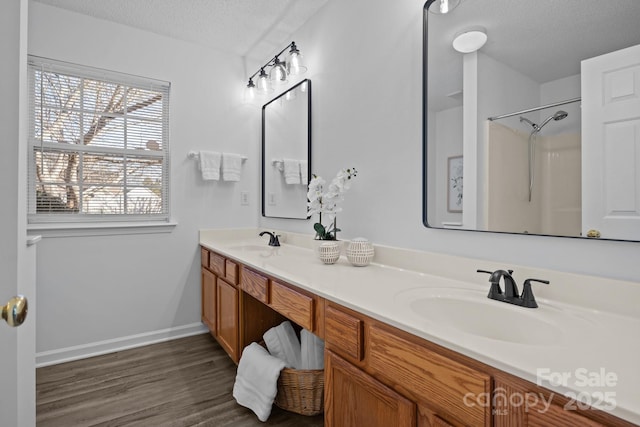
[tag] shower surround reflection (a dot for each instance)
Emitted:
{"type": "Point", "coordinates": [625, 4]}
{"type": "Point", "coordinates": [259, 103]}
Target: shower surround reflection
{"type": "Point", "coordinates": [518, 157]}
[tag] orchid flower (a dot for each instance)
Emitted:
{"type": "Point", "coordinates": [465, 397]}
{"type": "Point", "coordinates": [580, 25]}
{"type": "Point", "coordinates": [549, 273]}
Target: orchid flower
{"type": "Point", "coordinates": [328, 202]}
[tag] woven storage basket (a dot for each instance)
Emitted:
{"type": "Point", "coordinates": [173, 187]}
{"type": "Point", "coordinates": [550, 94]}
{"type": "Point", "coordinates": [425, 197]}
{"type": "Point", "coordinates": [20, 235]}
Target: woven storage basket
{"type": "Point", "coordinates": [301, 391]}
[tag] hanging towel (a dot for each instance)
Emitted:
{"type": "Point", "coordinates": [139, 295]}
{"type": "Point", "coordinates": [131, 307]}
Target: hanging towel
{"type": "Point", "coordinates": [257, 380]}
{"type": "Point", "coordinates": [304, 172]}
{"type": "Point", "coordinates": [291, 171]}
{"type": "Point", "coordinates": [312, 350]}
{"type": "Point", "coordinates": [210, 165]}
{"type": "Point", "coordinates": [282, 342]}
{"type": "Point", "coordinates": [231, 166]}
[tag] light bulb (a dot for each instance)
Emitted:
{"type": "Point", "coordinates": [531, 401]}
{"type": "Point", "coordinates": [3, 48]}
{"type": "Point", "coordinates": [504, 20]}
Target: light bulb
{"type": "Point", "coordinates": [440, 7]}
{"type": "Point", "coordinates": [250, 91]}
{"type": "Point", "coordinates": [278, 73]}
{"type": "Point", "coordinates": [295, 61]}
{"type": "Point", "coordinates": [264, 86]}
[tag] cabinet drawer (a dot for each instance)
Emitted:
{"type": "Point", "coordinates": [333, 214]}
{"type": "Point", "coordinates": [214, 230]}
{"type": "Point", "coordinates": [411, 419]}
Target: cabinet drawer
{"type": "Point", "coordinates": [255, 285]}
{"type": "Point", "coordinates": [292, 304]}
{"type": "Point", "coordinates": [444, 382]}
{"type": "Point", "coordinates": [231, 272]}
{"type": "Point", "coordinates": [343, 333]}
{"type": "Point", "coordinates": [204, 257]}
{"type": "Point", "coordinates": [216, 264]}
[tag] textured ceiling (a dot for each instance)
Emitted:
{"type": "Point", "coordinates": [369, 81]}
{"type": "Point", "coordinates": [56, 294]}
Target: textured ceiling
{"type": "Point", "coordinates": [542, 39]}
{"type": "Point", "coordinates": [252, 28]}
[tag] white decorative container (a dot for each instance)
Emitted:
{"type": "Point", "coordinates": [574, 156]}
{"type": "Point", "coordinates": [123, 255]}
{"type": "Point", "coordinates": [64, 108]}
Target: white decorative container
{"type": "Point", "coordinates": [360, 252]}
{"type": "Point", "coordinates": [329, 252]}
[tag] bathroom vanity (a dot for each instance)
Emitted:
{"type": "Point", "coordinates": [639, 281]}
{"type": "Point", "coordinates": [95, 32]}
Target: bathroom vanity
{"type": "Point", "coordinates": [391, 358]}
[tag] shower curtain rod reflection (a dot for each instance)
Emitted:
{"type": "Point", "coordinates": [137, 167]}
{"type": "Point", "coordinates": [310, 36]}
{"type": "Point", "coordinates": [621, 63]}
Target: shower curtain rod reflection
{"type": "Point", "coordinates": [555, 104]}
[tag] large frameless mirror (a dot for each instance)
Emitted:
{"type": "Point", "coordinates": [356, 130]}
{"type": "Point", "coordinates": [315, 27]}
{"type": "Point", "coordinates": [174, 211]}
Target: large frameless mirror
{"type": "Point", "coordinates": [532, 117]}
{"type": "Point", "coordinates": [286, 153]}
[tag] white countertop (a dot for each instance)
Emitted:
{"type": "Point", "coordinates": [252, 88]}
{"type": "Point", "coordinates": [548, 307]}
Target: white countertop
{"type": "Point", "coordinates": [596, 321]}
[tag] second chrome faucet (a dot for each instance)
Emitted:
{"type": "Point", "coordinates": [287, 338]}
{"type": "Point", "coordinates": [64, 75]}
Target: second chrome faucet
{"type": "Point", "coordinates": [510, 294]}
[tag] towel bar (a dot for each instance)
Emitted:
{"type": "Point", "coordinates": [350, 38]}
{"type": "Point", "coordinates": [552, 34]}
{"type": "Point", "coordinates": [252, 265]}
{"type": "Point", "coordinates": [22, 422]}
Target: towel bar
{"type": "Point", "coordinates": [196, 155]}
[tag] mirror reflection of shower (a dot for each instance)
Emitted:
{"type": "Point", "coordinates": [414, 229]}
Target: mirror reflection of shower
{"type": "Point", "coordinates": [558, 115]}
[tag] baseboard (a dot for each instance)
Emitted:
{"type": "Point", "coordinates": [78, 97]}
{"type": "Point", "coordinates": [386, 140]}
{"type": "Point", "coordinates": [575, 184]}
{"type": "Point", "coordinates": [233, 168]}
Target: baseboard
{"type": "Point", "coordinates": [53, 357]}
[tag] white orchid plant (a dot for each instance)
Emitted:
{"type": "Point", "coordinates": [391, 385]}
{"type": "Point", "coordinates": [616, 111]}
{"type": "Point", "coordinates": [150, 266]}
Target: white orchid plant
{"type": "Point", "coordinates": [328, 203]}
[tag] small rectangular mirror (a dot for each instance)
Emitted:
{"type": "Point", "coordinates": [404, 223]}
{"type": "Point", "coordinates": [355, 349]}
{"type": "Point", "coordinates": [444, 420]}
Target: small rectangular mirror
{"type": "Point", "coordinates": [286, 153]}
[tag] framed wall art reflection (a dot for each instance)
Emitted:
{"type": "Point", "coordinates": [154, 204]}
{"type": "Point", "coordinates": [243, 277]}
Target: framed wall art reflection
{"type": "Point", "coordinates": [454, 184]}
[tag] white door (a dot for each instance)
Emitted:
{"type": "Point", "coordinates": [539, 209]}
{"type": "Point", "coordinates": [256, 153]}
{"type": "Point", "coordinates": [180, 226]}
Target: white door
{"type": "Point", "coordinates": [17, 272]}
{"type": "Point", "coordinates": [611, 144]}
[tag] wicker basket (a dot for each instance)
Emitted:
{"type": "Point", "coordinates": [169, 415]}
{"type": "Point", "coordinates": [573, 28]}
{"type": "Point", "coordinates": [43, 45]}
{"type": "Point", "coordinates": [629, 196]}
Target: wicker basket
{"type": "Point", "coordinates": [301, 391]}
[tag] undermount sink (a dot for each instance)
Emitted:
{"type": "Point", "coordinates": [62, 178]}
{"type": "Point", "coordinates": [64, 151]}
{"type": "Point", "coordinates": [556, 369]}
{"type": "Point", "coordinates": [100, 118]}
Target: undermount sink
{"type": "Point", "coordinates": [471, 312]}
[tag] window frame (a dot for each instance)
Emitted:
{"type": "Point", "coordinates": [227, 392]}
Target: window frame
{"type": "Point", "coordinates": [82, 222]}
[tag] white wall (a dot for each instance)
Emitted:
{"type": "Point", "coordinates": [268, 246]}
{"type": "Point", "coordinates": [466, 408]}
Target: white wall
{"type": "Point", "coordinates": [125, 289]}
{"type": "Point", "coordinates": [365, 61]}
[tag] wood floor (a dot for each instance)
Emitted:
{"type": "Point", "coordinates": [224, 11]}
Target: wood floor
{"type": "Point", "coordinates": [185, 382]}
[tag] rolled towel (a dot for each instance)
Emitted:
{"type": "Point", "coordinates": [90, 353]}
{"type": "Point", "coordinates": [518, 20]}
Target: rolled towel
{"type": "Point", "coordinates": [210, 165]}
{"type": "Point", "coordinates": [282, 342]}
{"type": "Point", "coordinates": [257, 380]}
{"type": "Point", "coordinates": [291, 171]}
{"type": "Point", "coordinates": [304, 172]}
{"type": "Point", "coordinates": [312, 351]}
{"type": "Point", "coordinates": [231, 166]}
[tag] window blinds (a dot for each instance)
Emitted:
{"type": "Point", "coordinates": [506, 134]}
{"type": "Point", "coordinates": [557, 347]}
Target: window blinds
{"type": "Point", "coordinates": [98, 145]}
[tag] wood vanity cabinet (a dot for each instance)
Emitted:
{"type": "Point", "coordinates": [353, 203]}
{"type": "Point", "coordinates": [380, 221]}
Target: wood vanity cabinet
{"type": "Point", "coordinates": [358, 399]}
{"type": "Point", "coordinates": [220, 300]}
{"type": "Point", "coordinates": [376, 375]}
{"type": "Point", "coordinates": [382, 373]}
{"type": "Point", "coordinates": [234, 318]}
{"type": "Point", "coordinates": [394, 375]}
{"type": "Point", "coordinates": [209, 300]}
{"type": "Point", "coordinates": [521, 403]}
{"type": "Point", "coordinates": [301, 307]}
{"type": "Point", "coordinates": [227, 319]}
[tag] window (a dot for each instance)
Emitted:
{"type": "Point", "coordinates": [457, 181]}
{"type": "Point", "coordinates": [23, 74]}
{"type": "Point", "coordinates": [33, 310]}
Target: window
{"type": "Point", "coordinates": [98, 145]}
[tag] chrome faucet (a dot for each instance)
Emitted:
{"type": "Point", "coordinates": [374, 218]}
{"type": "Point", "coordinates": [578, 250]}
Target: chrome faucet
{"type": "Point", "coordinates": [273, 239]}
{"type": "Point", "coordinates": [511, 294]}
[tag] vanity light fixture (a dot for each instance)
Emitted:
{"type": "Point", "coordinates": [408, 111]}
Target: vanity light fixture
{"type": "Point", "coordinates": [470, 40]}
{"type": "Point", "coordinates": [440, 7]}
{"type": "Point", "coordinates": [279, 72]}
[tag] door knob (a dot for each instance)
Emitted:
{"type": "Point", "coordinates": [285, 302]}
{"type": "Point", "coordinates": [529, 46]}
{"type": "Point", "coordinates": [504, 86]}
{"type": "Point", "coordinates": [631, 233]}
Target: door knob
{"type": "Point", "coordinates": [15, 311]}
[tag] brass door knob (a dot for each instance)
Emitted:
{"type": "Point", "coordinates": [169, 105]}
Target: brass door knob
{"type": "Point", "coordinates": [594, 234]}
{"type": "Point", "coordinates": [15, 311]}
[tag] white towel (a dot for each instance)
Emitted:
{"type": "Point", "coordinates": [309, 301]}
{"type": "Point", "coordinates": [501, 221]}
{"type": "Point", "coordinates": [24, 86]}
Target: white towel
{"type": "Point", "coordinates": [257, 380]}
{"type": "Point", "coordinates": [312, 348]}
{"type": "Point", "coordinates": [231, 166]}
{"type": "Point", "coordinates": [304, 172]}
{"type": "Point", "coordinates": [291, 171]}
{"type": "Point", "coordinates": [283, 343]}
{"type": "Point", "coordinates": [210, 165]}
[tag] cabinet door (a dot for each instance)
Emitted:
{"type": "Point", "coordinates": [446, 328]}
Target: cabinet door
{"type": "Point", "coordinates": [353, 398]}
{"type": "Point", "coordinates": [555, 416]}
{"type": "Point", "coordinates": [227, 318]}
{"type": "Point", "coordinates": [209, 300]}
